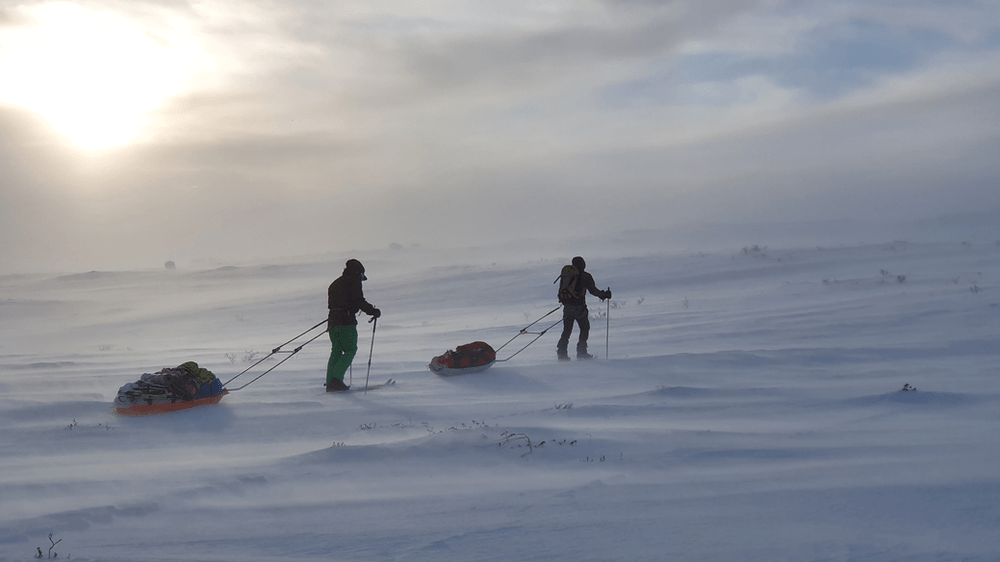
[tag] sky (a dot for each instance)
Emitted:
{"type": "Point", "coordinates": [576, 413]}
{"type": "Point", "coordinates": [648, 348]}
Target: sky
{"type": "Point", "coordinates": [136, 132]}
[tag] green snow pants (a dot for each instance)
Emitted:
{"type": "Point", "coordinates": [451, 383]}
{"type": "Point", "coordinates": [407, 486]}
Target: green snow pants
{"type": "Point", "coordinates": [345, 347]}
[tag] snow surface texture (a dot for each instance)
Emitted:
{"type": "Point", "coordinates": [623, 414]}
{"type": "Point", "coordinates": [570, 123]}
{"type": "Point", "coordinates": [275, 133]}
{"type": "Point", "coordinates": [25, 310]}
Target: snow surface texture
{"type": "Point", "coordinates": [751, 408]}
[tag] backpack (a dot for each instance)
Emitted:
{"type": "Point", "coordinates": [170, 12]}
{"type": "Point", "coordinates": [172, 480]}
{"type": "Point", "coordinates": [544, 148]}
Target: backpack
{"type": "Point", "coordinates": [192, 370]}
{"type": "Point", "coordinates": [568, 280]}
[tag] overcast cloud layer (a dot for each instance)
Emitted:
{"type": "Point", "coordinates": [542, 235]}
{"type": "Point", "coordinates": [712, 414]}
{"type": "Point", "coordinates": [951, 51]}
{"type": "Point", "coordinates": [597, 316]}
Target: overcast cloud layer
{"type": "Point", "coordinates": [279, 128]}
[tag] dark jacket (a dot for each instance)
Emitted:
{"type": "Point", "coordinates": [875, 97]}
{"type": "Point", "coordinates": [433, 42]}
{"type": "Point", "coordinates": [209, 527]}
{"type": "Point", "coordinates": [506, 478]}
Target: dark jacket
{"type": "Point", "coordinates": [584, 285]}
{"type": "Point", "coordinates": [345, 298]}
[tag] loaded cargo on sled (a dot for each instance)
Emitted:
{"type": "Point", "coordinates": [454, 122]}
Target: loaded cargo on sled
{"type": "Point", "coordinates": [169, 390]}
{"type": "Point", "coordinates": [478, 356]}
{"type": "Point", "coordinates": [469, 358]}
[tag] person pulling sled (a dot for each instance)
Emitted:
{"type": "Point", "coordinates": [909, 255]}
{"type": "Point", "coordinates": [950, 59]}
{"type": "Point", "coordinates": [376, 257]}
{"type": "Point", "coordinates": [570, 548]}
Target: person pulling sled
{"type": "Point", "coordinates": [345, 299]}
{"type": "Point", "coordinates": [574, 284]}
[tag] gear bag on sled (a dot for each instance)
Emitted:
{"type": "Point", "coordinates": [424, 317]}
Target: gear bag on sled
{"type": "Point", "coordinates": [569, 281]}
{"type": "Point", "coordinates": [184, 386]}
{"type": "Point", "coordinates": [469, 358]}
{"type": "Point", "coordinates": [479, 356]}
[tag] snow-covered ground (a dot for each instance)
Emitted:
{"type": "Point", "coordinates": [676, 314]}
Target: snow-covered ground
{"type": "Point", "coordinates": [750, 408]}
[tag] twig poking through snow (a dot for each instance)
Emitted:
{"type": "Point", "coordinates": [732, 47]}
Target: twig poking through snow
{"type": "Point", "coordinates": [509, 437]}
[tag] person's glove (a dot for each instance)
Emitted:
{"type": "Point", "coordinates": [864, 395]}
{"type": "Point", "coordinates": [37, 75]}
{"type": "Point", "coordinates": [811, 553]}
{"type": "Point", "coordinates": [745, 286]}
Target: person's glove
{"type": "Point", "coordinates": [377, 313]}
{"type": "Point", "coordinates": [607, 294]}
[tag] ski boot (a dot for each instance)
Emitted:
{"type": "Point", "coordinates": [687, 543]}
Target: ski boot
{"type": "Point", "coordinates": [336, 385]}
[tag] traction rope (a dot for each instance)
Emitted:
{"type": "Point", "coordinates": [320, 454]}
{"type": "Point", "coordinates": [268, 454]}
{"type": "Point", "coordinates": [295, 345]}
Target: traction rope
{"type": "Point", "coordinates": [276, 351]}
{"type": "Point", "coordinates": [524, 331]}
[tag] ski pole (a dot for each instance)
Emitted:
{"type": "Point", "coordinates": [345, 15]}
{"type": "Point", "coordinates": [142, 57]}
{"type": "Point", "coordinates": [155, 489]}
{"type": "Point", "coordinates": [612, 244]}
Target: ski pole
{"type": "Point", "coordinates": [607, 330]}
{"type": "Point", "coordinates": [374, 322]}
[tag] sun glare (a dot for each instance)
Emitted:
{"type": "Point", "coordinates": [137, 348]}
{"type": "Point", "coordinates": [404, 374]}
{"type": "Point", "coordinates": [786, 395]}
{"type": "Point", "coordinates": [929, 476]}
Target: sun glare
{"type": "Point", "coordinates": [95, 76]}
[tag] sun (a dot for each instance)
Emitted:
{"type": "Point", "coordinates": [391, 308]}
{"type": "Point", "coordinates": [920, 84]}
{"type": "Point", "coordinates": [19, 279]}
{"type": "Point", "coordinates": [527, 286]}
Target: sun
{"type": "Point", "coordinates": [94, 76]}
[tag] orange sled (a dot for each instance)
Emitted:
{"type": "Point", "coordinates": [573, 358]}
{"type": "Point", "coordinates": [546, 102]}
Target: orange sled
{"type": "Point", "coordinates": [164, 407]}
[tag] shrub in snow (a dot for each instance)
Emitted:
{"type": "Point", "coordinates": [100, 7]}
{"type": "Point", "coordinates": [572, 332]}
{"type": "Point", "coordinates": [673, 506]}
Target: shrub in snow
{"type": "Point", "coordinates": [51, 554]}
{"type": "Point", "coordinates": [511, 438]}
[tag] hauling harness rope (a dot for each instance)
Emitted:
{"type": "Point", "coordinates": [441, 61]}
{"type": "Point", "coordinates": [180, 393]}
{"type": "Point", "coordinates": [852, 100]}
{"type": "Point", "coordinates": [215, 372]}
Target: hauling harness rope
{"type": "Point", "coordinates": [276, 351]}
{"type": "Point", "coordinates": [524, 331]}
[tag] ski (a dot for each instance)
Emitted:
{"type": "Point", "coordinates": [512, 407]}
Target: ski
{"type": "Point", "coordinates": [360, 388]}
{"type": "Point", "coordinates": [389, 382]}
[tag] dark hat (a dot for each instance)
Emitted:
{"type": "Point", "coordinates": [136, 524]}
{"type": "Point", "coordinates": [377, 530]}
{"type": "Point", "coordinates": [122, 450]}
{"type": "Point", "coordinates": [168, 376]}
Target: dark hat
{"type": "Point", "coordinates": [579, 263]}
{"type": "Point", "coordinates": [355, 267]}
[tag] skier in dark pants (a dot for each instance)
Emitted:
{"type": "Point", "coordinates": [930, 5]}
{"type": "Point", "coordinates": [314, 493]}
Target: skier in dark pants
{"type": "Point", "coordinates": [345, 299]}
{"type": "Point", "coordinates": [575, 310]}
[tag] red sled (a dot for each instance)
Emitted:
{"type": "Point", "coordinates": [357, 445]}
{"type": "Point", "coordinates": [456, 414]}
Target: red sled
{"type": "Point", "coordinates": [479, 356]}
{"type": "Point", "coordinates": [469, 358]}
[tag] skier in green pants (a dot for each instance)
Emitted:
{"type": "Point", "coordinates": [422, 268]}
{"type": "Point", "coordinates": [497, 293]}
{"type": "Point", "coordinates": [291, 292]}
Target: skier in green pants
{"type": "Point", "coordinates": [345, 299]}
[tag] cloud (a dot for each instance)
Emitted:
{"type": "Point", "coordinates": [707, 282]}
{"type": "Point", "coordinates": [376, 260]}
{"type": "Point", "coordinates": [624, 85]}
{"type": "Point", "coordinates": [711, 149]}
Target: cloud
{"type": "Point", "coordinates": [563, 49]}
{"type": "Point", "coordinates": [33, 186]}
{"type": "Point", "coordinates": [311, 125]}
{"type": "Point", "coordinates": [830, 62]}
